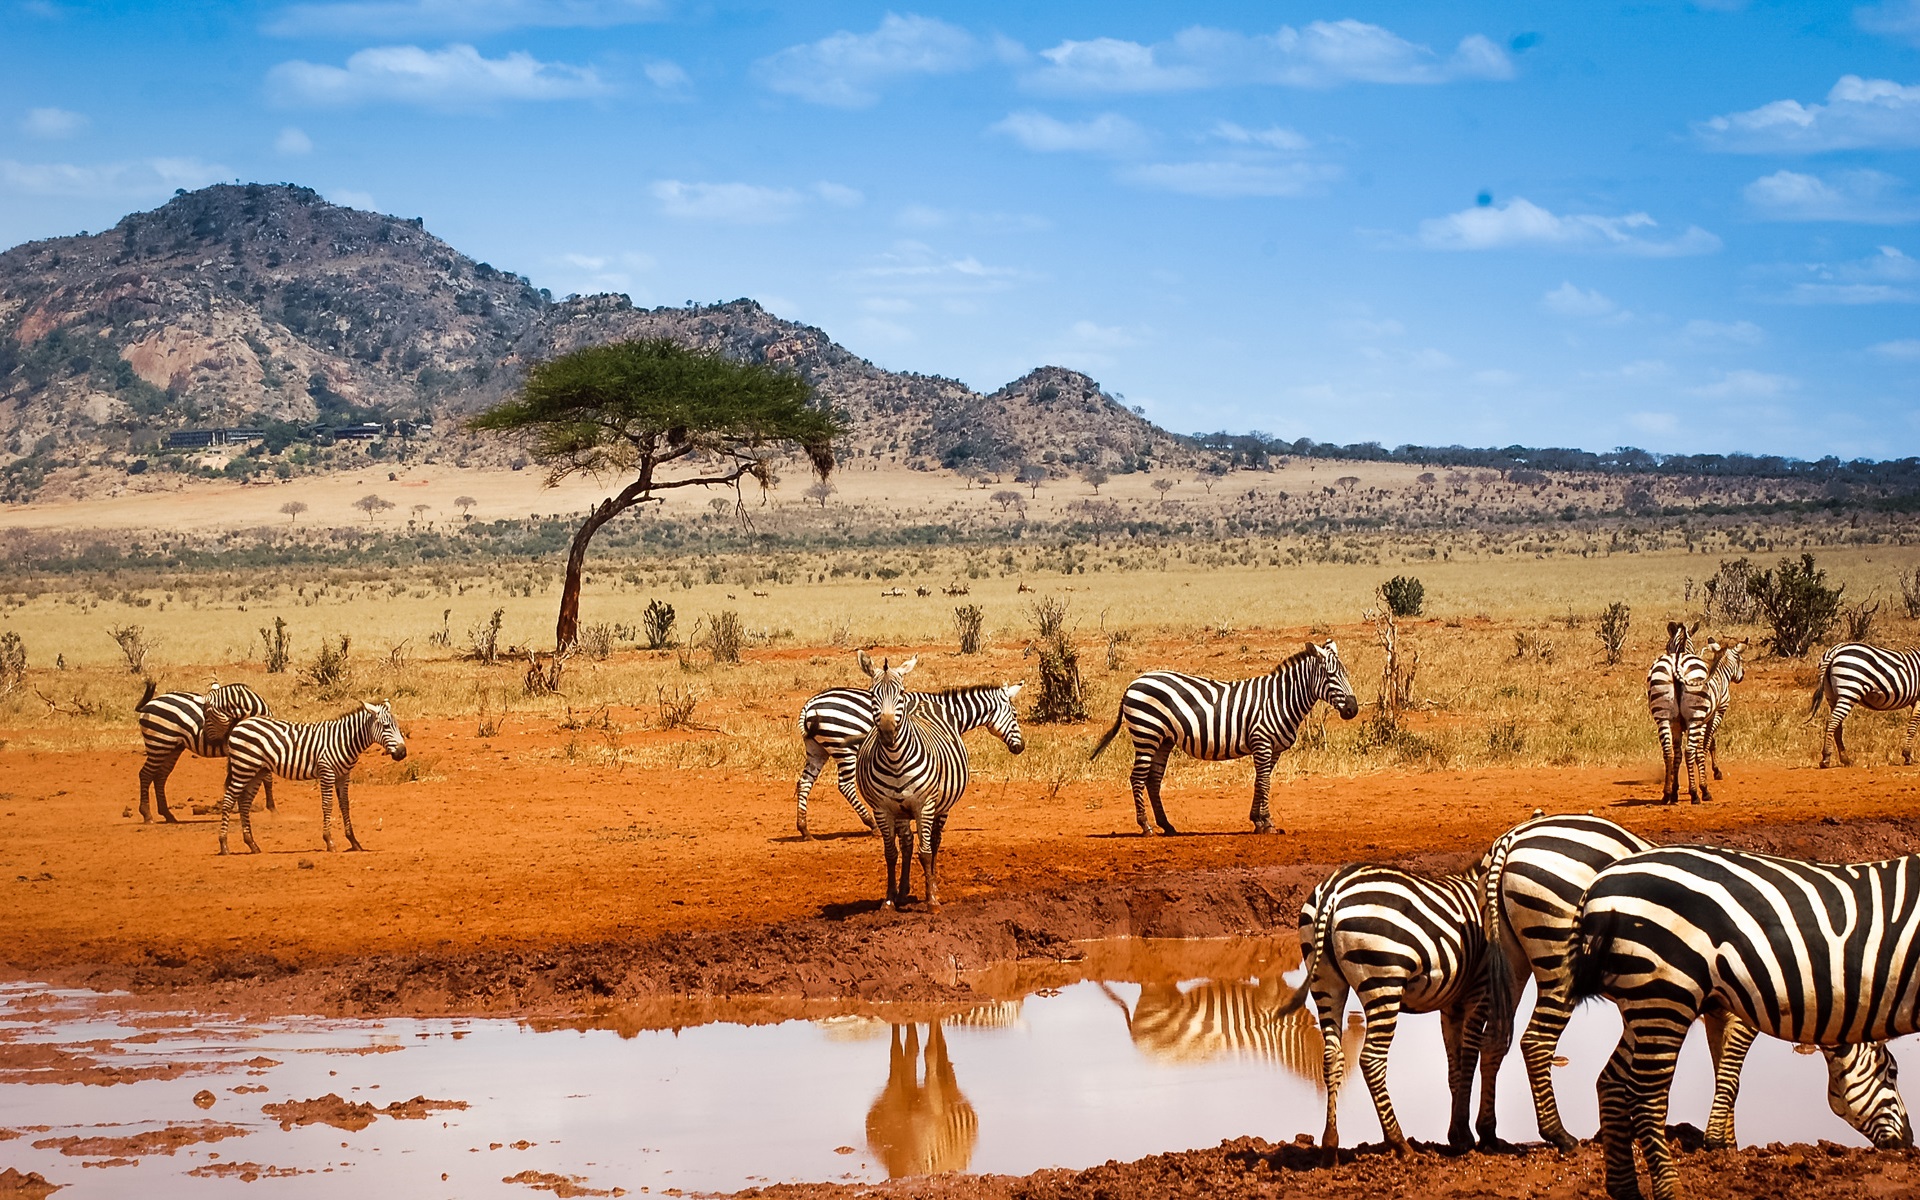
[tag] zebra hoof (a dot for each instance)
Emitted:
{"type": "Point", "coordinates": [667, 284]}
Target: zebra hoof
{"type": "Point", "coordinates": [1148, 831]}
{"type": "Point", "coordinates": [1263, 826]}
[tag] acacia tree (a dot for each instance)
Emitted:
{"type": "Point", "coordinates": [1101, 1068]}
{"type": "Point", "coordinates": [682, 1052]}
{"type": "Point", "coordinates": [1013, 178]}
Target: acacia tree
{"type": "Point", "coordinates": [636, 408]}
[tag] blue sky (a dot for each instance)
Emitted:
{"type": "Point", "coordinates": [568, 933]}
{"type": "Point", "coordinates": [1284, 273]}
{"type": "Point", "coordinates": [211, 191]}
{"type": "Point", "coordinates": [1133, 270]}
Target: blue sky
{"type": "Point", "coordinates": [1680, 226]}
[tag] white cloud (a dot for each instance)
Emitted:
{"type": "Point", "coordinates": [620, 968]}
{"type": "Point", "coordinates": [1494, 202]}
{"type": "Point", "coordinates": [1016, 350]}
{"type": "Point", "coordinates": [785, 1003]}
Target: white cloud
{"type": "Point", "coordinates": [1859, 113]}
{"type": "Point", "coordinates": [1088, 346]}
{"type": "Point", "coordinates": [455, 77]}
{"type": "Point", "coordinates": [349, 198]}
{"type": "Point", "coordinates": [847, 70]}
{"type": "Point", "coordinates": [590, 273]}
{"type": "Point", "coordinates": [1108, 133]}
{"type": "Point", "coordinates": [839, 195]}
{"type": "Point", "coordinates": [1888, 276]}
{"type": "Point", "coordinates": [293, 142]}
{"type": "Point", "coordinates": [52, 123]}
{"type": "Point", "coordinates": [733, 203]}
{"type": "Point", "coordinates": [1322, 54]}
{"type": "Point", "coordinates": [1865, 196]}
{"type": "Point", "coordinates": [927, 217]}
{"type": "Point", "coordinates": [400, 18]}
{"type": "Point", "coordinates": [1900, 350]}
{"type": "Point", "coordinates": [148, 177]}
{"type": "Point", "coordinates": [1893, 18]}
{"type": "Point", "coordinates": [1570, 301]}
{"type": "Point", "coordinates": [1520, 223]}
{"type": "Point", "coordinates": [1746, 384]}
{"type": "Point", "coordinates": [668, 76]}
{"type": "Point", "coordinates": [1722, 333]}
{"type": "Point", "coordinates": [1227, 179]}
{"type": "Point", "coordinates": [911, 268]}
{"type": "Point", "coordinates": [1277, 137]}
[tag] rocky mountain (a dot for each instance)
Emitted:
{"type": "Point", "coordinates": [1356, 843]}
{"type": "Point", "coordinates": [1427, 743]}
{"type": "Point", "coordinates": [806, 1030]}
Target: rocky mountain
{"type": "Point", "coordinates": [252, 304]}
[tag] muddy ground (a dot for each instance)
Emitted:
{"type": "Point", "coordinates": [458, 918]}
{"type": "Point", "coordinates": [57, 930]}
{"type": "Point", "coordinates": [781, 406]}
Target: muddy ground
{"type": "Point", "coordinates": [515, 881]}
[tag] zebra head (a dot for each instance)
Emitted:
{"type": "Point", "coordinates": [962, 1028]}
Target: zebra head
{"type": "Point", "coordinates": [889, 694]}
{"type": "Point", "coordinates": [1680, 638]}
{"type": "Point", "coordinates": [1001, 718]}
{"type": "Point", "coordinates": [1863, 1089]}
{"type": "Point", "coordinates": [1733, 656]}
{"type": "Point", "coordinates": [1336, 691]}
{"type": "Point", "coordinates": [386, 730]}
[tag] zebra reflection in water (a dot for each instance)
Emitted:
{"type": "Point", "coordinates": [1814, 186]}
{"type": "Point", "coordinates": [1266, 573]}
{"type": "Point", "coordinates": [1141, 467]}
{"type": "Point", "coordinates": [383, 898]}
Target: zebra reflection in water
{"type": "Point", "coordinates": [1229, 1018]}
{"type": "Point", "coordinates": [921, 1123]}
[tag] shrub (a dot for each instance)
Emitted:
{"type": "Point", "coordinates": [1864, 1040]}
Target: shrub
{"type": "Point", "coordinates": [1858, 618]}
{"type": "Point", "coordinates": [967, 619]}
{"type": "Point", "coordinates": [330, 672]}
{"type": "Point", "coordinates": [1061, 696]}
{"type": "Point", "coordinates": [275, 640]}
{"type": "Point", "coordinates": [1730, 592]}
{"type": "Point", "coordinates": [725, 635]}
{"type": "Point", "coordinates": [1797, 603]}
{"type": "Point", "coordinates": [13, 663]}
{"type": "Point", "coordinates": [133, 643]}
{"type": "Point", "coordinates": [1910, 593]}
{"type": "Point", "coordinates": [1613, 630]}
{"type": "Point", "coordinates": [483, 641]}
{"type": "Point", "coordinates": [658, 622]}
{"type": "Point", "coordinates": [1405, 595]}
{"type": "Point", "coordinates": [596, 641]}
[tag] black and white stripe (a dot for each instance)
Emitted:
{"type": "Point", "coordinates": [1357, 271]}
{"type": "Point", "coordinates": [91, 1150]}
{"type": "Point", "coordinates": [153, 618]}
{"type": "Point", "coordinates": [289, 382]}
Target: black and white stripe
{"type": "Point", "coordinates": [1820, 955]}
{"type": "Point", "coordinates": [176, 722]}
{"type": "Point", "coordinates": [1882, 680]}
{"type": "Point", "coordinates": [921, 1123]}
{"type": "Point", "coordinates": [1677, 699]}
{"type": "Point", "coordinates": [1403, 943]}
{"type": "Point", "coordinates": [1537, 873]}
{"type": "Point", "coordinates": [912, 770]}
{"type": "Point", "coordinates": [1223, 1018]}
{"type": "Point", "coordinates": [1220, 719]}
{"type": "Point", "coordinates": [833, 723]}
{"type": "Point", "coordinates": [261, 747]}
{"type": "Point", "coordinates": [1729, 667]}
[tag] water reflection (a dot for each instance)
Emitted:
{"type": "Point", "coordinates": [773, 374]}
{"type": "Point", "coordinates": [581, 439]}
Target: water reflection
{"type": "Point", "coordinates": [1229, 1018]}
{"type": "Point", "coordinates": [921, 1123]}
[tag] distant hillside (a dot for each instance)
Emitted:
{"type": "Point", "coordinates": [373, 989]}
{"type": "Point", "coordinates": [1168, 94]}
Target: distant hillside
{"type": "Point", "coordinates": [254, 304]}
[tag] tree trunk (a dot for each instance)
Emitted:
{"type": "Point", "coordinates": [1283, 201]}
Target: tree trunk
{"type": "Point", "coordinates": [566, 630]}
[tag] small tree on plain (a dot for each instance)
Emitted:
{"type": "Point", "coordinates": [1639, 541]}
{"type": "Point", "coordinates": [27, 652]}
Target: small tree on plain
{"type": "Point", "coordinates": [1797, 602]}
{"type": "Point", "coordinates": [1094, 477]}
{"type": "Point", "coordinates": [1062, 696]}
{"type": "Point", "coordinates": [1163, 485]}
{"type": "Point", "coordinates": [1613, 630]}
{"type": "Point", "coordinates": [373, 505]}
{"type": "Point", "coordinates": [1404, 595]}
{"type": "Point", "coordinates": [420, 510]}
{"type": "Point", "coordinates": [1348, 482]}
{"type": "Point", "coordinates": [818, 491]}
{"type": "Point", "coordinates": [1032, 476]}
{"type": "Point", "coordinates": [657, 621]}
{"type": "Point", "coordinates": [967, 621]}
{"type": "Point", "coordinates": [465, 505]}
{"type": "Point", "coordinates": [293, 509]}
{"type": "Point", "coordinates": [1005, 498]}
{"type": "Point", "coordinates": [133, 643]}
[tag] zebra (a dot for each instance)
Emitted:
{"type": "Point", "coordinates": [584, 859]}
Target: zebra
{"type": "Point", "coordinates": [261, 747]}
{"type": "Point", "coordinates": [1677, 698]}
{"type": "Point", "coordinates": [1817, 954]}
{"type": "Point", "coordinates": [1214, 719]}
{"type": "Point", "coordinates": [833, 723]}
{"type": "Point", "coordinates": [912, 770]}
{"type": "Point", "coordinates": [1856, 673]}
{"type": "Point", "coordinates": [178, 721]}
{"type": "Point", "coordinates": [1728, 668]}
{"type": "Point", "coordinates": [1402, 942]}
{"type": "Point", "coordinates": [1222, 1017]}
{"type": "Point", "coordinates": [1536, 874]}
{"type": "Point", "coordinates": [921, 1123]}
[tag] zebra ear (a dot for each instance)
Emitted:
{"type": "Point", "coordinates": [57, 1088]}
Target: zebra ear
{"type": "Point", "coordinates": [1012, 689]}
{"type": "Point", "coordinates": [907, 665]}
{"type": "Point", "coordinates": [866, 664]}
{"type": "Point", "coordinates": [1329, 650]}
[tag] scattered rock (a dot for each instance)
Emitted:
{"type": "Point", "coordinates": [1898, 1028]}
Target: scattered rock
{"type": "Point", "coordinates": [420, 1107]}
{"type": "Point", "coordinates": [329, 1109]}
{"type": "Point", "coordinates": [31, 1186]}
{"type": "Point", "coordinates": [203, 1098]}
{"type": "Point", "coordinates": [245, 1172]}
{"type": "Point", "coordinates": [154, 1141]}
{"type": "Point", "coordinates": [560, 1185]}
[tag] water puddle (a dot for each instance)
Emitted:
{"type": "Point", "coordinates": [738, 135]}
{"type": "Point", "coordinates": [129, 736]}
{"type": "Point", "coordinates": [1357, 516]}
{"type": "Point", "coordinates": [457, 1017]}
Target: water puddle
{"type": "Point", "coordinates": [1136, 1048]}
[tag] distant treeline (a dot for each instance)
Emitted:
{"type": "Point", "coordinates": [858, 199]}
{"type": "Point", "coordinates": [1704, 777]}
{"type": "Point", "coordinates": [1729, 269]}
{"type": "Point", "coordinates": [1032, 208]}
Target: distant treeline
{"type": "Point", "coordinates": [1256, 449]}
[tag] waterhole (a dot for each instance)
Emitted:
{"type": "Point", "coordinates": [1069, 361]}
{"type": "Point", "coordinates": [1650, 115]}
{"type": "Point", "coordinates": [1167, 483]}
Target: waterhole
{"type": "Point", "coordinates": [1136, 1048]}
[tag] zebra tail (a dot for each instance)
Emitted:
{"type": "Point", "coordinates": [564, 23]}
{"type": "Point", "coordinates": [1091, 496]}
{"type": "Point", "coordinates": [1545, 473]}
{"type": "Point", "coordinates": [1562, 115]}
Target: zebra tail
{"type": "Point", "coordinates": [148, 694]}
{"type": "Point", "coordinates": [1119, 719]}
{"type": "Point", "coordinates": [1502, 987]}
{"type": "Point", "coordinates": [1588, 954]}
{"type": "Point", "coordinates": [1820, 684]}
{"type": "Point", "coordinates": [1322, 926]}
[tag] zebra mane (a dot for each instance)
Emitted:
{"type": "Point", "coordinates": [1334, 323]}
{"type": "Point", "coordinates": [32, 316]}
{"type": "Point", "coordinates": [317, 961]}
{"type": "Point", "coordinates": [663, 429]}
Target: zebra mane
{"type": "Point", "coordinates": [1298, 656]}
{"type": "Point", "coordinates": [970, 690]}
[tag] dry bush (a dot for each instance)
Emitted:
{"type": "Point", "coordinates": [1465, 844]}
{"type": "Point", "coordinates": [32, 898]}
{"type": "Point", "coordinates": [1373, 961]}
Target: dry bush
{"type": "Point", "coordinates": [725, 635]}
{"type": "Point", "coordinates": [330, 673]}
{"type": "Point", "coordinates": [1061, 696]}
{"type": "Point", "coordinates": [276, 643]}
{"type": "Point", "coordinates": [13, 663]}
{"type": "Point", "coordinates": [489, 722]}
{"type": "Point", "coordinates": [134, 645]}
{"type": "Point", "coordinates": [657, 620]}
{"type": "Point", "coordinates": [1910, 593]}
{"type": "Point", "coordinates": [596, 641]}
{"type": "Point", "coordinates": [483, 641]}
{"type": "Point", "coordinates": [1858, 620]}
{"type": "Point", "coordinates": [1614, 620]}
{"type": "Point", "coordinates": [676, 707]}
{"type": "Point", "coordinates": [967, 620]}
{"type": "Point", "coordinates": [1730, 593]}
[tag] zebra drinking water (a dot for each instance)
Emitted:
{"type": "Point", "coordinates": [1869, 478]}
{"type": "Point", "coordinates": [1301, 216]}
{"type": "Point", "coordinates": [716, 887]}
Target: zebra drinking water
{"type": "Point", "coordinates": [1536, 875]}
{"type": "Point", "coordinates": [834, 722]}
{"type": "Point", "coordinates": [179, 721]}
{"type": "Point", "coordinates": [1882, 680]}
{"type": "Point", "coordinates": [912, 770]}
{"type": "Point", "coordinates": [261, 747]}
{"type": "Point", "coordinates": [1677, 698]}
{"type": "Point", "coordinates": [1816, 954]}
{"type": "Point", "coordinates": [1213, 719]}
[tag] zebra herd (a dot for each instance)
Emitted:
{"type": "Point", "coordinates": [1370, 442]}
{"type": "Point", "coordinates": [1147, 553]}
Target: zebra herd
{"type": "Point", "coordinates": [231, 721]}
{"type": "Point", "coordinates": [1826, 956]}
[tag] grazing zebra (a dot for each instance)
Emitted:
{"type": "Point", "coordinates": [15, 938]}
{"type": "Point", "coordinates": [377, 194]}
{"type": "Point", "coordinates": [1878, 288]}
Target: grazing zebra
{"type": "Point", "coordinates": [261, 747]}
{"type": "Point", "coordinates": [833, 723]}
{"type": "Point", "coordinates": [178, 721]}
{"type": "Point", "coordinates": [1728, 668]}
{"type": "Point", "coordinates": [912, 770]}
{"type": "Point", "coordinates": [1225, 1017]}
{"type": "Point", "coordinates": [1401, 942]}
{"type": "Point", "coordinates": [1856, 673]}
{"type": "Point", "coordinates": [1536, 875]}
{"type": "Point", "coordinates": [1214, 719]}
{"type": "Point", "coordinates": [1820, 955]}
{"type": "Point", "coordinates": [921, 1123]}
{"type": "Point", "coordinates": [1677, 698]}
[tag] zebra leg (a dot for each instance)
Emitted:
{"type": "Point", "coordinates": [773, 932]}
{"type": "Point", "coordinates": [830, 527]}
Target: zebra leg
{"type": "Point", "coordinates": [1158, 773]}
{"type": "Point", "coordinates": [1261, 815]}
{"type": "Point", "coordinates": [1729, 1040]}
{"type": "Point", "coordinates": [1457, 1031]}
{"type": "Point", "coordinates": [154, 773]}
{"type": "Point", "coordinates": [326, 810]}
{"type": "Point", "coordinates": [1913, 725]}
{"type": "Point", "coordinates": [930, 823]}
{"type": "Point", "coordinates": [1143, 770]}
{"type": "Point", "coordinates": [891, 847]}
{"type": "Point", "coordinates": [1697, 764]}
{"type": "Point", "coordinates": [1670, 788]}
{"type": "Point", "coordinates": [1713, 741]}
{"type": "Point", "coordinates": [346, 814]}
{"type": "Point", "coordinates": [246, 815]}
{"type": "Point", "coordinates": [1383, 1017]}
{"type": "Point", "coordinates": [1330, 1002]}
{"type": "Point", "coordinates": [1652, 1039]}
{"type": "Point", "coordinates": [1835, 736]}
{"type": "Point", "coordinates": [850, 788]}
{"type": "Point", "coordinates": [1551, 1009]}
{"type": "Point", "coordinates": [1616, 1129]}
{"type": "Point", "coordinates": [226, 811]}
{"type": "Point", "coordinates": [267, 784]}
{"type": "Point", "coordinates": [803, 787]}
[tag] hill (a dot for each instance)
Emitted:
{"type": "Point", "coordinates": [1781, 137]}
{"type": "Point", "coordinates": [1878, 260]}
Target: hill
{"type": "Point", "coordinates": [264, 305]}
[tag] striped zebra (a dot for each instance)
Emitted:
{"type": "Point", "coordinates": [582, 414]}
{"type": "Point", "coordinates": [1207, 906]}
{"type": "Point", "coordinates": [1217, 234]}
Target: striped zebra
{"type": "Point", "coordinates": [1536, 875]}
{"type": "Point", "coordinates": [1225, 1018]}
{"type": "Point", "coordinates": [1856, 673]}
{"type": "Point", "coordinates": [834, 722]}
{"type": "Point", "coordinates": [178, 721]}
{"type": "Point", "coordinates": [1729, 667]}
{"type": "Point", "coordinates": [921, 1123]}
{"type": "Point", "coordinates": [1402, 942]}
{"type": "Point", "coordinates": [262, 747]}
{"type": "Point", "coordinates": [1820, 955]}
{"type": "Point", "coordinates": [1677, 698]}
{"type": "Point", "coordinates": [912, 770]}
{"type": "Point", "coordinates": [1214, 719]}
